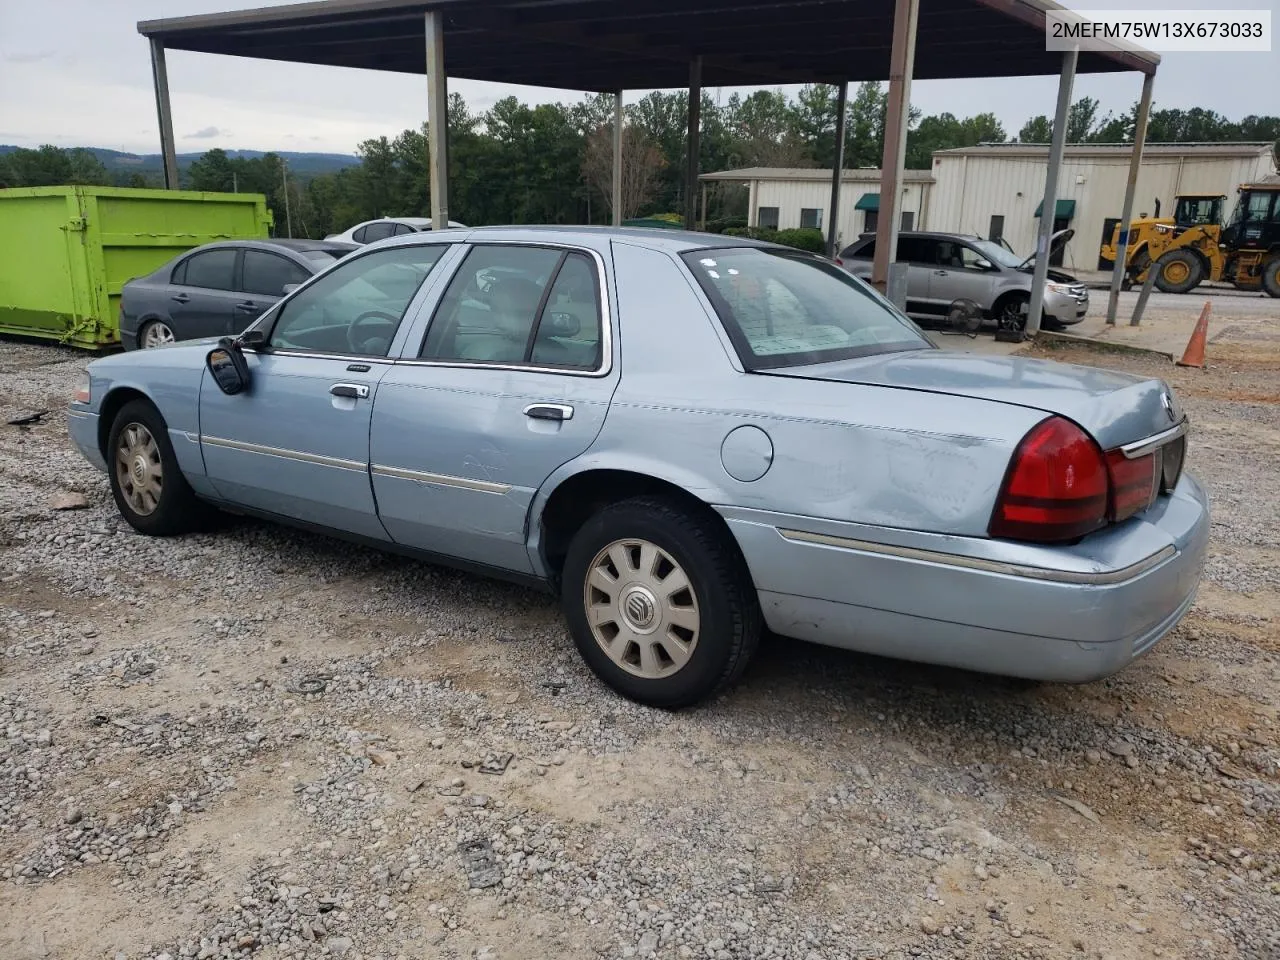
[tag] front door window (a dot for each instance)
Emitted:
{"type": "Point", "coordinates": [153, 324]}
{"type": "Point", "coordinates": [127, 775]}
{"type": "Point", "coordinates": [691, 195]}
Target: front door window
{"type": "Point", "coordinates": [356, 308]}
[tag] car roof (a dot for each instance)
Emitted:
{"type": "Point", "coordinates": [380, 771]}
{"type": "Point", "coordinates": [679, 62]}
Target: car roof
{"type": "Point", "coordinates": [283, 243]}
{"type": "Point", "coordinates": [926, 234]}
{"type": "Point", "coordinates": [674, 241]}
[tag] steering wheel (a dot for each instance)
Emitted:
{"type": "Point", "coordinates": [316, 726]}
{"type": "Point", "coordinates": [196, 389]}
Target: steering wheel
{"type": "Point", "coordinates": [356, 343]}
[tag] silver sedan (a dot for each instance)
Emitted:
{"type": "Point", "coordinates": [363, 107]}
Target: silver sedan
{"type": "Point", "coordinates": [691, 439]}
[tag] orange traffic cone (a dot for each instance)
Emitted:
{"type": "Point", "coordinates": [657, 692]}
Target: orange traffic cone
{"type": "Point", "coordinates": [1193, 356]}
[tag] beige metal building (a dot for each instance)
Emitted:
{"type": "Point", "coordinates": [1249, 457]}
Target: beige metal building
{"type": "Point", "coordinates": [789, 197]}
{"type": "Point", "coordinates": [995, 190]}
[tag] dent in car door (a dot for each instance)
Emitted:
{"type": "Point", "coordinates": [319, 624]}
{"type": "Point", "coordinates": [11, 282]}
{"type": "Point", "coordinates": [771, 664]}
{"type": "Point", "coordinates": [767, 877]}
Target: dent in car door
{"type": "Point", "coordinates": [464, 435]}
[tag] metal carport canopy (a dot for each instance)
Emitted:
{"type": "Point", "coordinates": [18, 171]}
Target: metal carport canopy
{"type": "Point", "coordinates": [610, 45]}
{"type": "Point", "coordinates": [617, 45]}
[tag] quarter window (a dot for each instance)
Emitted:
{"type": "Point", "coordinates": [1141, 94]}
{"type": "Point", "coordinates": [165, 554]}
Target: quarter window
{"type": "Point", "coordinates": [213, 269]}
{"type": "Point", "coordinates": [520, 305]}
{"type": "Point", "coordinates": [268, 274]}
{"type": "Point", "coordinates": [357, 307]}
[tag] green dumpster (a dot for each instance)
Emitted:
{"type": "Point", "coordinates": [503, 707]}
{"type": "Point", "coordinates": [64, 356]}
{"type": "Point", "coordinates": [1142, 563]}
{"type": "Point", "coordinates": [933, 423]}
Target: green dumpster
{"type": "Point", "coordinates": [65, 252]}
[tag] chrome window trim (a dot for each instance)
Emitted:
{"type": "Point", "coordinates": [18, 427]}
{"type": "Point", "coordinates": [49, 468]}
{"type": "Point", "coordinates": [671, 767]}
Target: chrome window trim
{"type": "Point", "coordinates": [261, 448]}
{"type": "Point", "coordinates": [440, 479]}
{"type": "Point", "coordinates": [1140, 448]}
{"type": "Point", "coordinates": [345, 357]}
{"type": "Point", "coordinates": [606, 316]}
{"type": "Point", "coordinates": [985, 566]}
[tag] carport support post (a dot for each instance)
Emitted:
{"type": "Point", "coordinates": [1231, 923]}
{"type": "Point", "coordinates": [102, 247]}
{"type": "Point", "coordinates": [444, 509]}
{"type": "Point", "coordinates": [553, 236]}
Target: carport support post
{"type": "Point", "coordinates": [1126, 214]}
{"type": "Point", "coordinates": [833, 224]}
{"type": "Point", "coordinates": [617, 159]}
{"type": "Point", "coordinates": [1049, 206]}
{"type": "Point", "coordinates": [695, 126]}
{"type": "Point", "coordinates": [160, 77]}
{"type": "Point", "coordinates": [897, 116]}
{"type": "Point", "coordinates": [437, 120]}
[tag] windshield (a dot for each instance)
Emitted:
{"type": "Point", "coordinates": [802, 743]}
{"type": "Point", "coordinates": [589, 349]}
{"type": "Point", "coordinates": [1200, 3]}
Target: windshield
{"type": "Point", "coordinates": [1197, 210]}
{"type": "Point", "coordinates": [997, 253]}
{"type": "Point", "coordinates": [785, 308]}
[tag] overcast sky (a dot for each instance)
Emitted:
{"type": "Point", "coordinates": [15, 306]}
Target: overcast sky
{"type": "Point", "coordinates": [76, 72]}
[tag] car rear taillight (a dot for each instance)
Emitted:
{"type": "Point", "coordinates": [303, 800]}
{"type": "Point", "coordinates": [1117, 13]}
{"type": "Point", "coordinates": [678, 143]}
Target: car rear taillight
{"type": "Point", "coordinates": [1134, 483]}
{"type": "Point", "coordinates": [1056, 488]}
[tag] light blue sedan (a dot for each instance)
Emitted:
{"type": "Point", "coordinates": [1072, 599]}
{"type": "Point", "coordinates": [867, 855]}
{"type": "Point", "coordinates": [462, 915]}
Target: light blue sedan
{"type": "Point", "coordinates": [690, 438]}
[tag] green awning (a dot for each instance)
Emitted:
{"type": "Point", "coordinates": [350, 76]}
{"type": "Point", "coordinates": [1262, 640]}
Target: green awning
{"type": "Point", "coordinates": [1065, 209]}
{"type": "Point", "coordinates": [868, 201]}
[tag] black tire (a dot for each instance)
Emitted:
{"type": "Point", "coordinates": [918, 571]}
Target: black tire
{"type": "Point", "coordinates": [1271, 275]}
{"type": "Point", "coordinates": [176, 508]}
{"type": "Point", "coordinates": [1138, 265]}
{"type": "Point", "coordinates": [1011, 311]}
{"type": "Point", "coordinates": [728, 608]}
{"type": "Point", "coordinates": [1188, 271]}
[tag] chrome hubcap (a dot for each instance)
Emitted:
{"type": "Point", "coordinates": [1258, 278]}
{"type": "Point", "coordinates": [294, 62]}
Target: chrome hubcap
{"type": "Point", "coordinates": [641, 608]}
{"type": "Point", "coordinates": [156, 335]}
{"type": "Point", "coordinates": [138, 469]}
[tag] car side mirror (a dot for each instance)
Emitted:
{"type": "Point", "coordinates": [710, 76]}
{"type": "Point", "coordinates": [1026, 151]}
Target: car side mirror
{"type": "Point", "coordinates": [228, 367]}
{"type": "Point", "coordinates": [288, 288]}
{"type": "Point", "coordinates": [253, 339]}
{"type": "Point", "coordinates": [984, 264]}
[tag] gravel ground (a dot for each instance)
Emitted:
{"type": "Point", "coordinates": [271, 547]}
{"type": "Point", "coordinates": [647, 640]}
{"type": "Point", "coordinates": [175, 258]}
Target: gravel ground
{"type": "Point", "coordinates": [256, 742]}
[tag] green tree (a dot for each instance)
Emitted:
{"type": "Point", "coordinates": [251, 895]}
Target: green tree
{"type": "Point", "coordinates": [212, 171]}
{"type": "Point", "coordinates": [1036, 130]}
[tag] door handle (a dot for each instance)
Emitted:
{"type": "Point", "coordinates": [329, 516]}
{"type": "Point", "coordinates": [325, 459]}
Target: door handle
{"type": "Point", "coordinates": [549, 411]}
{"type": "Point", "coordinates": [941, 273]}
{"type": "Point", "coordinates": [353, 391]}
{"type": "Point", "coordinates": [246, 306]}
{"type": "Point", "coordinates": [181, 298]}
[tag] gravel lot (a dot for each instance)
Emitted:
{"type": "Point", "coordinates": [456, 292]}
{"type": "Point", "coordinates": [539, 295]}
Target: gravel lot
{"type": "Point", "coordinates": [259, 742]}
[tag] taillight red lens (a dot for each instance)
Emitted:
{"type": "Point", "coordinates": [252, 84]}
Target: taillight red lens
{"type": "Point", "coordinates": [1056, 488]}
{"type": "Point", "coordinates": [1134, 483]}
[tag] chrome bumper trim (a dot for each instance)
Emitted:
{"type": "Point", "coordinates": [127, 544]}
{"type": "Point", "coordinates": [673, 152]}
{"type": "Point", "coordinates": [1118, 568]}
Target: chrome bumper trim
{"type": "Point", "coordinates": [984, 566]}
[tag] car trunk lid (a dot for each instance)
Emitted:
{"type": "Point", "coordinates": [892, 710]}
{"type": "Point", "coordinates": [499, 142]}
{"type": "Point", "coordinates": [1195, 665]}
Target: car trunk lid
{"type": "Point", "coordinates": [1115, 408]}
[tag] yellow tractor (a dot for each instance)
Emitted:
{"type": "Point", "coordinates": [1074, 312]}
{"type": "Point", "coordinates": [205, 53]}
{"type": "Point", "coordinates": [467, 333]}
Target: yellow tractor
{"type": "Point", "coordinates": [1189, 210]}
{"type": "Point", "coordinates": [1244, 253]}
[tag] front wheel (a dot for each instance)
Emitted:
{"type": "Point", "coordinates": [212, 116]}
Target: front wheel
{"type": "Point", "coordinates": [149, 488]}
{"type": "Point", "coordinates": [1012, 312]}
{"type": "Point", "coordinates": [1178, 272]}
{"type": "Point", "coordinates": [660, 602]}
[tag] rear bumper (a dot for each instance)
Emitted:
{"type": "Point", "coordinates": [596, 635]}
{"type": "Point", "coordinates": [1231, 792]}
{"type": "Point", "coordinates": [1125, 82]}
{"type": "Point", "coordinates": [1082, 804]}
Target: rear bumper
{"type": "Point", "coordinates": [982, 605]}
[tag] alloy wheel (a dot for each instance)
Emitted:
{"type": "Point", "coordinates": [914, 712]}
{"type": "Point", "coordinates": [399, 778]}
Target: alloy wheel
{"type": "Point", "coordinates": [157, 335]}
{"type": "Point", "coordinates": [641, 608]}
{"type": "Point", "coordinates": [138, 469]}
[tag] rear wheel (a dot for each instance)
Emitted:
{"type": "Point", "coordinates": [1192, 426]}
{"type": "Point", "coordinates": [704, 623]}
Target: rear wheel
{"type": "Point", "coordinates": [1271, 275]}
{"type": "Point", "coordinates": [149, 488]}
{"type": "Point", "coordinates": [1179, 271]}
{"type": "Point", "coordinates": [157, 333]}
{"type": "Point", "coordinates": [660, 603]}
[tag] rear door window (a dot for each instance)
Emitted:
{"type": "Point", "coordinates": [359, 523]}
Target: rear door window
{"type": "Point", "coordinates": [213, 269]}
{"type": "Point", "coordinates": [785, 309]}
{"type": "Point", "coordinates": [531, 306]}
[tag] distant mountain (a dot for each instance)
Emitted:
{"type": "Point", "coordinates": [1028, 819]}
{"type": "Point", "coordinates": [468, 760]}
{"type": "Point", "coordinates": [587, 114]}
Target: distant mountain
{"type": "Point", "coordinates": [299, 163]}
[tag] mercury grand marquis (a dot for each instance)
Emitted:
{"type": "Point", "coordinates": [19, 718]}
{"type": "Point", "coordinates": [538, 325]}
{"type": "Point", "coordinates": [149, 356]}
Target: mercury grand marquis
{"type": "Point", "coordinates": [691, 439]}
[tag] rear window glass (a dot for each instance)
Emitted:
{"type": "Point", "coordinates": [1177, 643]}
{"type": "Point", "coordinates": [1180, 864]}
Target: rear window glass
{"type": "Point", "coordinates": [782, 309]}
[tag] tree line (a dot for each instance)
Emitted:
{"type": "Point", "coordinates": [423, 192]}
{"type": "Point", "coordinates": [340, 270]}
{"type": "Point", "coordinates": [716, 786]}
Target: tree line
{"type": "Point", "coordinates": [552, 163]}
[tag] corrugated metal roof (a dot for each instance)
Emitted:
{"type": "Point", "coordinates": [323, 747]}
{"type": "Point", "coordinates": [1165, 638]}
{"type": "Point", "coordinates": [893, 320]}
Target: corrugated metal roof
{"type": "Point", "coordinates": [856, 174]}
{"type": "Point", "coordinates": [1249, 149]}
{"type": "Point", "coordinates": [607, 45]}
